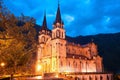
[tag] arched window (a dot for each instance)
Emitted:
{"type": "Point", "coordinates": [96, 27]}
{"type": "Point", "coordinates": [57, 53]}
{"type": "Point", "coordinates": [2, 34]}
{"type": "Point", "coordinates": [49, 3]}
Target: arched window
{"type": "Point", "coordinates": [68, 50]}
{"type": "Point", "coordinates": [53, 35]}
{"type": "Point", "coordinates": [76, 65]}
{"type": "Point", "coordinates": [101, 78]}
{"type": "Point", "coordinates": [69, 63]}
{"type": "Point", "coordinates": [62, 35]}
{"type": "Point", "coordinates": [90, 78]}
{"type": "Point", "coordinates": [107, 77]}
{"type": "Point", "coordinates": [83, 78]}
{"type": "Point", "coordinates": [77, 78]}
{"type": "Point", "coordinates": [80, 65]}
{"type": "Point", "coordinates": [95, 77]}
{"type": "Point", "coordinates": [58, 33]}
{"type": "Point", "coordinates": [43, 38]}
{"type": "Point", "coordinates": [61, 63]}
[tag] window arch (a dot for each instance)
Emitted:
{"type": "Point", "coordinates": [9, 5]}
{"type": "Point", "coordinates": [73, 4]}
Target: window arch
{"type": "Point", "coordinates": [53, 35]}
{"type": "Point", "coordinates": [62, 34]}
{"type": "Point", "coordinates": [61, 63]}
{"type": "Point", "coordinates": [83, 78]}
{"type": "Point", "coordinates": [42, 38]}
{"type": "Point", "coordinates": [69, 63]}
{"type": "Point", "coordinates": [90, 78]}
{"type": "Point", "coordinates": [76, 65]}
{"type": "Point", "coordinates": [68, 50]}
{"type": "Point", "coordinates": [58, 33]}
{"type": "Point", "coordinates": [107, 77]}
{"type": "Point", "coordinates": [101, 78]}
{"type": "Point", "coordinates": [95, 77]}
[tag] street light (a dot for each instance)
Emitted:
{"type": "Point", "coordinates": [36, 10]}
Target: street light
{"type": "Point", "coordinates": [39, 67]}
{"type": "Point", "coordinates": [2, 64]}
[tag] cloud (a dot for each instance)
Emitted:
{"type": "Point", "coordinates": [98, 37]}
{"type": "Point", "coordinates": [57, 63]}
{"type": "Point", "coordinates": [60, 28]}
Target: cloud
{"type": "Point", "coordinates": [68, 18]}
{"type": "Point", "coordinates": [51, 15]}
{"type": "Point", "coordinates": [81, 17]}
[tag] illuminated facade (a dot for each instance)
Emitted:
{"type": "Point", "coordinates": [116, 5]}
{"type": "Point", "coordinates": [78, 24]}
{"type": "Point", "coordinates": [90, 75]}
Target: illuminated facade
{"type": "Point", "coordinates": [56, 55]}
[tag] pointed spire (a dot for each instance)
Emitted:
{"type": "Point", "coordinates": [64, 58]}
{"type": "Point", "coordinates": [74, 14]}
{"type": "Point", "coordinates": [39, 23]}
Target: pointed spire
{"type": "Point", "coordinates": [58, 15]}
{"type": "Point", "coordinates": [44, 25]}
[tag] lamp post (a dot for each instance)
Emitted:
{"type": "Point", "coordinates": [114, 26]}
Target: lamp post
{"type": "Point", "coordinates": [38, 68]}
{"type": "Point", "coordinates": [2, 64]}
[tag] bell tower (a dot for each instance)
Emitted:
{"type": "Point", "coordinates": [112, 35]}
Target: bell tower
{"type": "Point", "coordinates": [58, 44]}
{"type": "Point", "coordinates": [58, 26]}
{"type": "Point", "coordinates": [44, 36]}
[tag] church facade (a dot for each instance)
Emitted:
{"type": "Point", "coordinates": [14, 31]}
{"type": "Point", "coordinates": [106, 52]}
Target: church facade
{"type": "Point", "coordinates": [56, 55]}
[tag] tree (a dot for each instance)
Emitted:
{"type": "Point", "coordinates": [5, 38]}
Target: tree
{"type": "Point", "coordinates": [17, 43]}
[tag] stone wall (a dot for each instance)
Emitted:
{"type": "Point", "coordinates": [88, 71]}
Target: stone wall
{"type": "Point", "coordinates": [90, 76]}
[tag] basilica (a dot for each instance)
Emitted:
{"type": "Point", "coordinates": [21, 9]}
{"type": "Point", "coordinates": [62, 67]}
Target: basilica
{"type": "Point", "coordinates": [57, 55]}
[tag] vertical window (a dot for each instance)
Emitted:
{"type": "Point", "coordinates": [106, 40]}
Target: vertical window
{"type": "Point", "coordinates": [53, 35]}
{"type": "Point", "coordinates": [61, 63]}
{"type": "Point", "coordinates": [68, 50]}
{"type": "Point", "coordinates": [62, 34]}
{"type": "Point", "coordinates": [107, 77]}
{"type": "Point", "coordinates": [76, 64]}
{"type": "Point", "coordinates": [90, 78]}
{"type": "Point", "coordinates": [83, 78]}
{"type": "Point", "coordinates": [69, 64]}
{"type": "Point", "coordinates": [80, 65]}
{"type": "Point", "coordinates": [73, 62]}
{"type": "Point", "coordinates": [58, 33]}
{"type": "Point", "coordinates": [43, 39]}
{"type": "Point", "coordinates": [101, 78]}
{"type": "Point", "coordinates": [95, 77]}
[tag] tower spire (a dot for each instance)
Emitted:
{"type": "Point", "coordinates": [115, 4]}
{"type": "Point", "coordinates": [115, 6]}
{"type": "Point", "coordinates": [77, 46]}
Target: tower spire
{"type": "Point", "coordinates": [58, 15]}
{"type": "Point", "coordinates": [44, 25]}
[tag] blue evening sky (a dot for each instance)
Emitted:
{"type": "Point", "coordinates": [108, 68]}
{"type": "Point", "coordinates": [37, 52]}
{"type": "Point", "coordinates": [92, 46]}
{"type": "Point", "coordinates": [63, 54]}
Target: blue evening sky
{"type": "Point", "coordinates": [81, 17]}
